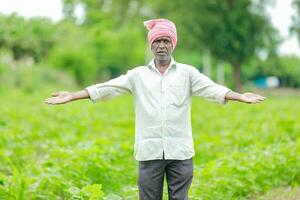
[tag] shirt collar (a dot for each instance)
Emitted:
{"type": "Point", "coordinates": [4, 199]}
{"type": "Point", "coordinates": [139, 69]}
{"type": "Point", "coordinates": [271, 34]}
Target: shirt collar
{"type": "Point", "coordinates": [151, 64]}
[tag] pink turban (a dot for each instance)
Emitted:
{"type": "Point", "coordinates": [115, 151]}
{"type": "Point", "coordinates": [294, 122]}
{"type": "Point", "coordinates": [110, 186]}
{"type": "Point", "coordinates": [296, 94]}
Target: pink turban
{"type": "Point", "coordinates": [161, 27]}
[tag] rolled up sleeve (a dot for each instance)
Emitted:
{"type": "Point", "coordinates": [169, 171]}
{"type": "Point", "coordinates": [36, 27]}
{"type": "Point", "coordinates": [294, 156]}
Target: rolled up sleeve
{"type": "Point", "coordinates": [203, 86]}
{"type": "Point", "coordinates": [112, 88]}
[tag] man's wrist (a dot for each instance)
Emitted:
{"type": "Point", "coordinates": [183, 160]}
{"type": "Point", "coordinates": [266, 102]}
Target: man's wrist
{"type": "Point", "coordinates": [83, 94]}
{"type": "Point", "coordinates": [234, 96]}
{"type": "Point", "coordinates": [73, 96]}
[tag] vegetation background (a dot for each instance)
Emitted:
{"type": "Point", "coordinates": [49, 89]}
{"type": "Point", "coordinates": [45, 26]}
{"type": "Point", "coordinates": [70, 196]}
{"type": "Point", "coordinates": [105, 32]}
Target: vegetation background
{"type": "Point", "coordinates": [85, 151]}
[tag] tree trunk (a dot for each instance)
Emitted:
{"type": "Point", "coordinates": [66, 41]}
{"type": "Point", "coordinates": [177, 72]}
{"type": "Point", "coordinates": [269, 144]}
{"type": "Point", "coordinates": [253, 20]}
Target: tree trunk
{"type": "Point", "coordinates": [237, 78]}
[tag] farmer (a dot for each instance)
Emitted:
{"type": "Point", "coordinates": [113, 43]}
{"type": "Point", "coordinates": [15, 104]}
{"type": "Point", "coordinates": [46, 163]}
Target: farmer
{"type": "Point", "coordinates": [162, 93]}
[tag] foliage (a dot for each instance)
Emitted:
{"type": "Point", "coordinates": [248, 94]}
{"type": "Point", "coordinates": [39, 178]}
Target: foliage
{"type": "Point", "coordinates": [286, 68]}
{"type": "Point", "coordinates": [234, 31]}
{"type": "Point", "coordinates": [114, 13]}
{"type": "Point", "coordinates": [33, 37]}
{"type": "Point", "coordinates": [32, 78]}
{"type": "Point", "coordinates": [96, 53]}
{"type": "Point", "coordinates": [68, 151]}
{"type": "Point", "coordinates": [92, 192]}
{"type": "Point", "coordinates": [295, 27]}
{"type": "Point", "coordinates": [121, 50]}
{"type": "Point", "coordinates": [74, 53]}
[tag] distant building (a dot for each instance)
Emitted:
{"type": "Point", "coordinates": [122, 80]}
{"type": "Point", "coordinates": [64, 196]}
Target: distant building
{"type": "Point", "coordinates": [267, 82]}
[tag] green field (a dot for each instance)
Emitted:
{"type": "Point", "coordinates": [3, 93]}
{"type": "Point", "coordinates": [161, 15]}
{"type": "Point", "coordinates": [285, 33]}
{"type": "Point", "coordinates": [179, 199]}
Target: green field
{"type": "Point", "coordinates": [85, 151]}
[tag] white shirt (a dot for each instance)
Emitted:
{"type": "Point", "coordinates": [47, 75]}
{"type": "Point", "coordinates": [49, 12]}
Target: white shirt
{"type": "Point", "coordinates": [162, 107]}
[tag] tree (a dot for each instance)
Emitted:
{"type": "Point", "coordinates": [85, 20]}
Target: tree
{"type": "Point", "coordinates": [117, 40]}
{"type": "Point", "coordinates": [295, 28]}
{"type": "Point", "coordinates": [113, 13]}
{"type": "Point", "coordinates": [33, 37]}
{"type": "Point", "coordinates": [234, 31]}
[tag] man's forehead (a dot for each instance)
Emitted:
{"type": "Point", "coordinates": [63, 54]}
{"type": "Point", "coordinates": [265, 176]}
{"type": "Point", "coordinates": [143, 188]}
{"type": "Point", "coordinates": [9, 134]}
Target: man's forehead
{"type": "Point", "coordinates": [163, 38]}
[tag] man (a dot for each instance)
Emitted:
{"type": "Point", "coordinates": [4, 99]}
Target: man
{"type": "Point", "coordinates": [162, 92]}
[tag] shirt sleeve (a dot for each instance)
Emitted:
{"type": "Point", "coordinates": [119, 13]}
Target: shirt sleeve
{"type": "Point", "coordinates": [203, 86]}
{"type": "Point", "coordinates": [112, 88]}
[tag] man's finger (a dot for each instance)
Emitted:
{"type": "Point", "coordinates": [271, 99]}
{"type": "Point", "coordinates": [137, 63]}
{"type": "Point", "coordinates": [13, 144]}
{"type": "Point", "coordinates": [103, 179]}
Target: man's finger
{"type": "Point", "coordinates": [48, 102]}
{"type": "Point", "coordinates": [259, 100]}
{"type": "Point", "coordinates": [254, 95]}
{"type": "Point", "coordinates": [259, 96]}
{"type": "Point", "coordinates": [52, 102]}
{"type": "Point", "coordinates": [262, 98]}
{"type": "Point", "coordinates": [48, 99]}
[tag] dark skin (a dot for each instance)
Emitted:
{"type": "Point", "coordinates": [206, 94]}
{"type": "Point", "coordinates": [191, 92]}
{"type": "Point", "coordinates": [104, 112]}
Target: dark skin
{"type": "Point", "coordinates": [162, 49]}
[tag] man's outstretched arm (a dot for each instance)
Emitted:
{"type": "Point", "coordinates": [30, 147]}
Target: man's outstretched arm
{"type": "Point", "coordinates": [205, 87]}
{"type": "Point", "coordinates": [101, 91]}
{"type": "Point", "coordinates": [65, 97]}
{"type": "Point", "coordinates": [245, 98]}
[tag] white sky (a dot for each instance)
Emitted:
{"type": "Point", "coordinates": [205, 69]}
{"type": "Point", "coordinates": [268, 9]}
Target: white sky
{"type": "Point", "coordinates": [30, 8]}
{"type": "Point", "coordinates": [280, 16]}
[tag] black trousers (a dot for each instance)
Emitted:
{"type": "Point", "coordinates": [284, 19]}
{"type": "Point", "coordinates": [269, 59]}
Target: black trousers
{"type": "Point", "coordinates": [179, 175]}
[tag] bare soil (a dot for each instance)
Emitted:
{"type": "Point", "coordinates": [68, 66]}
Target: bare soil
{"type": "Point", "coordinates": [286, 193]}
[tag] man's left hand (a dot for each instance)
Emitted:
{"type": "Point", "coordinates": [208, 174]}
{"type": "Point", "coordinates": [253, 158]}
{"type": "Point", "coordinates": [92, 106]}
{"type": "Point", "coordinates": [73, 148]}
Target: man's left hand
{"type": "Point", "coordinates": [251, 98]}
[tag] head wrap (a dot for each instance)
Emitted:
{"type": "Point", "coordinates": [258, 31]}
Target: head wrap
{"type": "Point", "coordinates": [161, 27]}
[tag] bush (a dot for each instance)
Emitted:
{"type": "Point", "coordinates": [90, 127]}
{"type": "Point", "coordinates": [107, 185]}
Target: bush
{"type": "Point", "coordinates": [33, 78]}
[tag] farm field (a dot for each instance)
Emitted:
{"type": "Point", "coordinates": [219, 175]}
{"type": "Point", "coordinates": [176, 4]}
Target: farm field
{"type": "Point", "coordinates": [85, 151]}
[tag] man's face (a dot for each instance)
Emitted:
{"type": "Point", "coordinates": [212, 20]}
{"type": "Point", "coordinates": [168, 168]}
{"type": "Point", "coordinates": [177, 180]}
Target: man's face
{"type": "Point", "coordinates": [162, 48]}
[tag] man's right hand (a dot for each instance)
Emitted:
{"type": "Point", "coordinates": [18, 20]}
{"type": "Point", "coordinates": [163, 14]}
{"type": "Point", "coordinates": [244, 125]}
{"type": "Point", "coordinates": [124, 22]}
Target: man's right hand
{"type": "Point", "coordinates": [59, 98]}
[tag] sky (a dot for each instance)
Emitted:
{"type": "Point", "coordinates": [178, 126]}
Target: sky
{"type": "Point", "coordinates": [280, 17]}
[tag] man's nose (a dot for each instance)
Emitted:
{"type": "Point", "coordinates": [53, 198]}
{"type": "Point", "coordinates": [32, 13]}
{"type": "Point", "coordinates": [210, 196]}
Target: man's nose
{"type": "Point", "coordinates": [161, 44]}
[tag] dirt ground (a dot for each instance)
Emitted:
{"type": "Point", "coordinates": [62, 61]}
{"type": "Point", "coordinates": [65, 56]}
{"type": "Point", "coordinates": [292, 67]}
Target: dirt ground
{"type": "Point", "coordinates": [286, 193]}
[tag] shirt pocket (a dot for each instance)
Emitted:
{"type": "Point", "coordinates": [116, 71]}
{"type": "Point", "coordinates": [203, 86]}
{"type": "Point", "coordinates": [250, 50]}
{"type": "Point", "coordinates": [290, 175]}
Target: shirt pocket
{"type": "Point", "coordinates": [178, 94]}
